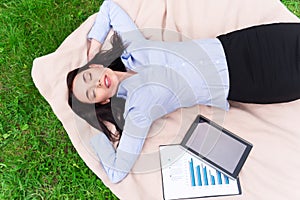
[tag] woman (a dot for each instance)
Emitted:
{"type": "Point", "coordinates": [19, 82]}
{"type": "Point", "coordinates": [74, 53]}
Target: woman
{"type": "Point", "coordinates": [254, 65]}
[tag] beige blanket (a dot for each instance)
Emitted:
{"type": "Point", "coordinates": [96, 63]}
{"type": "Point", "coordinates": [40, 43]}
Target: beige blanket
{"type": "Point", "coordinates": [272, 169]}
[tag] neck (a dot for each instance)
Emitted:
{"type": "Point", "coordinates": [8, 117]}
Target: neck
{"type": "Point", "coordinates": [124, 75]}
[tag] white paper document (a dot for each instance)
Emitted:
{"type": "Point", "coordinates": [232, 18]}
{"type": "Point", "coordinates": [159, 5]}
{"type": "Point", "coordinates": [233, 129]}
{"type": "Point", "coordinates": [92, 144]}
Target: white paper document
{"type": "Point", "coordinates": [186, 176]}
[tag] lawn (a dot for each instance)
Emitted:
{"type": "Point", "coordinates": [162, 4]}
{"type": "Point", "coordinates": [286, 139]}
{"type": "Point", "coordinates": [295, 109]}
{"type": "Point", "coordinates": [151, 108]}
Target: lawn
{"type": "Point", "coordinates": [37, 159]}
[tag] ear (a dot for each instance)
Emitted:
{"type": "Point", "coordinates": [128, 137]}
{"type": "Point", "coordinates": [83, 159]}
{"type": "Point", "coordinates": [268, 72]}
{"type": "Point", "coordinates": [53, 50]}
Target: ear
{"type": "Point", "coordinates": [105, 101]}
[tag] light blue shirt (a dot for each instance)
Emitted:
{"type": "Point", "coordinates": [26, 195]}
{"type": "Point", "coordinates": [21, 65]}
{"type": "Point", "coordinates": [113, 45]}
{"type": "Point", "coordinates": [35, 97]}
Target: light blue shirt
{"type": "Point", "coordinates": [170, 75]}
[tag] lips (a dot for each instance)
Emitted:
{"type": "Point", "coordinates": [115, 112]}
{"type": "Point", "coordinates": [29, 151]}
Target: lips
{"type": "Point", "coordinates": [107, 81]}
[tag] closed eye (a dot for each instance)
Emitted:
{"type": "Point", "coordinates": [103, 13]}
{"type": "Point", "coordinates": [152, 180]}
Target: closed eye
{"type": "Point", "coordinates": [87, 95]}
{"type": "Point", "coordinates": [94, 94]}
{"type": "Point", "coordinates": [91, 94]}
{"type": "Point", "coordinates": [87, 76]}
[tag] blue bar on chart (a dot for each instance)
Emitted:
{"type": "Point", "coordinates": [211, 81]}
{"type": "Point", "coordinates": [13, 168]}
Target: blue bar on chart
{"type": "Point", "coordinates": [192, 174]}
{"type": "Point", "coordinates": [226, 179]}
{"type": "Point", "coordinates": [205, 175]}
{"type": "Point", "coordinates": [212, 179]}
{"type": "Point", "coordinates": [199, 179]}
{"type": "Point", "coordinates": [219, 177]}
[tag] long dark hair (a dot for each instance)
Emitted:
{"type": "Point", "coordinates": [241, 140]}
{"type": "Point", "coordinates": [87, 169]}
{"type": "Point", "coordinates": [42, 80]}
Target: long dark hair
{"type": "Point", "coordinates": [97, 114]}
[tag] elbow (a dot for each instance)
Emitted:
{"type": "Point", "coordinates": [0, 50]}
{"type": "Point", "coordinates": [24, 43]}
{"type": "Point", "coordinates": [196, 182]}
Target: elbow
{"type": "Point", "coordinates": [115, 181]}
{"type": "Point", "coordinates": [116, 176]}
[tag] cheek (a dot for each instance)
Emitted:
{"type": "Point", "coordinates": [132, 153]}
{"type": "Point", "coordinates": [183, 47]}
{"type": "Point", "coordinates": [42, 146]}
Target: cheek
{"type": "Point", "coordinates": [99, 93]}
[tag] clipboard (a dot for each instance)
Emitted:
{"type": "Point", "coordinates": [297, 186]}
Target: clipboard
{"type": "Point", "coordinates": [205, 164]}
{"type": "Point", "coordinates": [186, 176]}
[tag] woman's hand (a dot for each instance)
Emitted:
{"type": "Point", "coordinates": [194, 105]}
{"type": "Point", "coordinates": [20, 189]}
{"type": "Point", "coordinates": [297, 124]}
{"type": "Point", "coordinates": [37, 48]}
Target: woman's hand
{"type": "Point", "coordinates": [95, 47]}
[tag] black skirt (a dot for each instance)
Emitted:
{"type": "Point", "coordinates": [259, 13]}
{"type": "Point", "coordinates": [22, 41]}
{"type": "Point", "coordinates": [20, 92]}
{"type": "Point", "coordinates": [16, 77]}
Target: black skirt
{"type": "Point", "coordinates": [264, 63]}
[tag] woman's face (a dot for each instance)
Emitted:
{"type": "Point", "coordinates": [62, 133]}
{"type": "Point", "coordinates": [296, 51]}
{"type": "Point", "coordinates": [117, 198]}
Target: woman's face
{"type": "Point", "coordinates": [95, 85]}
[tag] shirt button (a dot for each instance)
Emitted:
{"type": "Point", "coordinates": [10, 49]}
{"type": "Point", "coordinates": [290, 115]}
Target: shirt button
{"type": "Point", "coordinates": [125, 55]}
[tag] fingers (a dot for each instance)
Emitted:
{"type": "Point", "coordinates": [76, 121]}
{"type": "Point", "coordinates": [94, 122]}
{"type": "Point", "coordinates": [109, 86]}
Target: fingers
{"type": "Point", "coordinates": [93, 49]}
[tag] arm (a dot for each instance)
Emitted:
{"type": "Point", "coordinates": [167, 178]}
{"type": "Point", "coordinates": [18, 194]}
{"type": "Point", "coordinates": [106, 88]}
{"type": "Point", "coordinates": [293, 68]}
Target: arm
{"type": "Point", "coordinates": [118, 163]}
{"type": "Point", "coordinates": [110, 16]}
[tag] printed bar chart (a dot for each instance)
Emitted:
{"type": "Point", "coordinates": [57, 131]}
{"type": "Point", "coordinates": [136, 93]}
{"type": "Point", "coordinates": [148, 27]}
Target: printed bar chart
{"type": "Point", "coordinates": [209, 177]}
{"type": "Point", "coordinates": [187, 176]}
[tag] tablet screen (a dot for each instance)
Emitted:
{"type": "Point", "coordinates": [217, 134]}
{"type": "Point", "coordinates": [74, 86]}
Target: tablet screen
{"type": "Point", "coordinates": [217, 146]}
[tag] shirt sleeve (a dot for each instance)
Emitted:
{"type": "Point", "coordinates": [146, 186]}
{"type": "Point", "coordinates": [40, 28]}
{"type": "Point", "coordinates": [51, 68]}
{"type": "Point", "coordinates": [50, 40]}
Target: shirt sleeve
{"type": "Point", "coordinates": [118, 163]}
{"type": "Point", "coordinates": [111, 15]}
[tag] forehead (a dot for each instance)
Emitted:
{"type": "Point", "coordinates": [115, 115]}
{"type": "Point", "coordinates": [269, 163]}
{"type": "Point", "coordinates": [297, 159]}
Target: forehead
{"type": "Point", "coordinates": [93, 70]}
{"type": "Point", "coordinates": [81, 85]}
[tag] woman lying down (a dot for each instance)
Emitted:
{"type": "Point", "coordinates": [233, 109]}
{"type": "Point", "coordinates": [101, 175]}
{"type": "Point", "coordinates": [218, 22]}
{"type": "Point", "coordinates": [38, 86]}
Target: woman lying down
{"type": "Point", "coordinates": [138, 81]}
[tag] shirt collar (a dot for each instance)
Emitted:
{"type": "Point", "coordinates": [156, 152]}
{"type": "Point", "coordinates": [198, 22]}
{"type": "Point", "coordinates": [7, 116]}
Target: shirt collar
{"type": "Point", "coordinates": [128, 85]}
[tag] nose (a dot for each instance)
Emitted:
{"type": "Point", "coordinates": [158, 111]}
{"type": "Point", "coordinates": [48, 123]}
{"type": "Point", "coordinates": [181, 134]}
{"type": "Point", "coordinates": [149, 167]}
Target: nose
{"type": "Point", "coordinates": [99, 84]}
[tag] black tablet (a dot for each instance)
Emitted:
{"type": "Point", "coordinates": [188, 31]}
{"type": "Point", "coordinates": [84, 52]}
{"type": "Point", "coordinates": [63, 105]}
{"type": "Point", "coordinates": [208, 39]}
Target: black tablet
{"type": "Point", "coordinates": [217, 146]}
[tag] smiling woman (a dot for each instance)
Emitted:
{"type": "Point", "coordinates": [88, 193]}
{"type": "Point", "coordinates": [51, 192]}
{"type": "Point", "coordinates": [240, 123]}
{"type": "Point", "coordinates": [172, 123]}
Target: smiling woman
{"type": "Point", "coordinates": [247, 65]}
{"type": "Point", "coordinates": [95, 84]}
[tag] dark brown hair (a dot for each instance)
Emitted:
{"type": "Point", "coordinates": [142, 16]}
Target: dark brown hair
{"type": "Point", "coordinates": [96, 114]}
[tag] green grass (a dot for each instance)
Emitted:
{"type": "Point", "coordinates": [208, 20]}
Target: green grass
{"type": "Point", "coordinates": [292, 5]}
{"type": "Point", "coordinates": [37, 159]}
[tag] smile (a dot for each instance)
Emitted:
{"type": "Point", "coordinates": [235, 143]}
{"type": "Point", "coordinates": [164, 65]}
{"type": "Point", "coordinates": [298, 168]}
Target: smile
{"type": "Point", "coordinates": [107, 81]}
